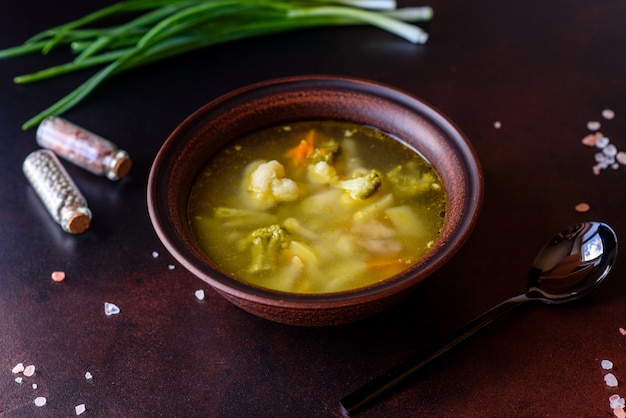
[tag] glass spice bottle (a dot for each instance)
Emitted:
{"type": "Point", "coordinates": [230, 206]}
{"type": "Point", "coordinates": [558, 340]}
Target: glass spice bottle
{"type": "Point", "coordinates": [57, 191]}
{"type": "Point", "coordinates": [83, 148]}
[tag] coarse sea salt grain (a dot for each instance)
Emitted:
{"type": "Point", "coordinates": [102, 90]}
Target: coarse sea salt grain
{"type": "Point", "coordinates": [58, 276]}
{"type": "Point", "coordinates": [88, 376]}
{"type": "Point", "coordinates": [171, 266]}
{"type": "Point", "coordinates": [111, 309]}
{"type": "Point", "coordinates": [29, 371]}
{"type": "Point", "coordinates": [602, 142]}
{"type": "Point", "coordinates": [619, 412]}
{"type": "Point", "coordinates": [608, 114]}
{"type": "Point", "coordinates": [19, 380]}
{"type": "Point", "coordinates": [593, 125]}
{"type": "Point", "coordinates": [610, 380]}
{"type": "Point", "coordinates": [80, 409]}
{"type": "Point", "coordinates": [616, 401]}
{"type": "Point", "coordinates": [582, 207]}
{"type": "Point", "coordinates": [18, 368]}
{"type": "Point", "coordinates": [497, 124]}
{"type": "Point", "coordinates": [40, 401]}
{"type": "Point", "coordinates": [200, 294]}
{"type": "Point", "coordinates": [155, 254]}
{"type": "Point", "coordinates": [606, 364]}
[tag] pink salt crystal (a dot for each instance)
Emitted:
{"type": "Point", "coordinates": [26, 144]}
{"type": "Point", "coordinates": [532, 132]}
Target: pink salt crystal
{"type": "Point", "coordinates": [589, 140]}
{"type": "Point", "coordinates": [608, 114]}
{"type": "Point", "coordinates": [619, 412]}
{"type": "Point", "coordinates": [58, 276]}
{"type": "Point", "coordinates": [593, 125]}
{"type": "Point", "coordinates": [19, 368]}
{"type": "Point", "coordinates": [596, 169]}
{"type": "Point", "coordinates": [29, 371]}
{"type": "Point", "coordinates": [622, 331]}
{"type": "Point", "coordinates": [582, 207]}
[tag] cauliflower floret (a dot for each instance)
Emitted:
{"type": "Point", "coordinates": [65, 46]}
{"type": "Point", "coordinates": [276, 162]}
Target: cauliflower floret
{"type": "Point", "coordinates": [321, 173]}
{"type": "Point", "coordinates": [268, 185]}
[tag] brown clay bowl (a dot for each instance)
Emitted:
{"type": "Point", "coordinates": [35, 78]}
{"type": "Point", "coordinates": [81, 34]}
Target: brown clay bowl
{"type": "Point", "coordinates": [293, 99]}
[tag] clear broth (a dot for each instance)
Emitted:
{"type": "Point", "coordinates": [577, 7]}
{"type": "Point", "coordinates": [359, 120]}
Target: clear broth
{"type": "Point", "coordinates": [336, 243]}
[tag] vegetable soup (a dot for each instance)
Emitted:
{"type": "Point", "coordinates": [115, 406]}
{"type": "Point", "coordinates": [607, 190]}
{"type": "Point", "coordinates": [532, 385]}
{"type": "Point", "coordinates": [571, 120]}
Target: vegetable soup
{"type": "Point", "coordinates": [316, 207]}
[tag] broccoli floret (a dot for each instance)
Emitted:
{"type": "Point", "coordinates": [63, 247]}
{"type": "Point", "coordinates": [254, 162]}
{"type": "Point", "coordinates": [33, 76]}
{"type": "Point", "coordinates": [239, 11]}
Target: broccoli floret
{"type": "Point", "coordinates": [408, 181]}
{"type": "Point", "coordinates": [362, 187]}
{"type": "Point", "coordinates": [265, 245]}
{"type": "Point", "coordinates": [326, 152]}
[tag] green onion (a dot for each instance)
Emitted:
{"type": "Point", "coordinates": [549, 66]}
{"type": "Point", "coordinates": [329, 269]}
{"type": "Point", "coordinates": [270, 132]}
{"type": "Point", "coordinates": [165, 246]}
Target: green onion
{"type": "Point", "coordinates": [153, 30]}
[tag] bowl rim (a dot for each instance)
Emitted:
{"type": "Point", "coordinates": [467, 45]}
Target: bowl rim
{"type": "Point", "coordinates": [175, 244]}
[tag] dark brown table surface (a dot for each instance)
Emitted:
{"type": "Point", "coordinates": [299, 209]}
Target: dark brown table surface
{"type": "Point", "coordinates": [543, 69]}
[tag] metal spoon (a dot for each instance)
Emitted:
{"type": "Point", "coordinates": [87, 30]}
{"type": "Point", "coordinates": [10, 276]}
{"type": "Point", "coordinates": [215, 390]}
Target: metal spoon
{"type": "Point", "coordinates": [568, 267]}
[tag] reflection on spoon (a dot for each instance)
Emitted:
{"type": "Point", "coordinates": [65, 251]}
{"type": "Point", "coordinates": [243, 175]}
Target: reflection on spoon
{"type": "Point", "coordinates": [568, 267]}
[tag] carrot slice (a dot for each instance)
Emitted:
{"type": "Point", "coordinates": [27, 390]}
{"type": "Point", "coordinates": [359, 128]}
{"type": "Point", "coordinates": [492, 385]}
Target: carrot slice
{"type": "Point", "coordinates": [393, 264]}
{"type": "Point", "coordinates": [301, 153]}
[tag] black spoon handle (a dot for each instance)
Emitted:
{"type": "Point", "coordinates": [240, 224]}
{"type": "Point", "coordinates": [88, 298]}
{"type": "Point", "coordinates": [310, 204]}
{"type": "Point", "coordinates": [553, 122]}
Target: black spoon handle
{"type": "Point", "coordinates": [364, 396]}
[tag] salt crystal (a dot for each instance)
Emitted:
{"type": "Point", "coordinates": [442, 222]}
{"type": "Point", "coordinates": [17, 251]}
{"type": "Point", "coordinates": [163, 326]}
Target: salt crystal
{"type": "Point", "coordinates": [200, 294]}
{"type": "Point", "coordinates": [590, 140]}
{"type": "Point", "coordinates": [29, 371]}
{"type": "Point", "coordinates": [88, 376]}
{"type": "Point", "coordinates": [596, 169]}
{"type": "Point", "coordinates": [622, 331]}
{"type": "Point", "coordinates": [80, 409]}
{"type": "Point", "coordinates": [58, 276]}
{"type": "Point", "coordinates": [608, 114]}
{"type": "Point", "coordinates": [606, 364]}
{"type": "Point", "coordinates": [40, 401]}
{"type": "Point", "coordinates": [19, 380]}
{"type": "Point", "coordinates": [593, 125]}
{"type": "Point", "coordinates": [610, 150]}
{"type": "Point", "coordinates": [497, 124]}
{"type": "Point", "coordinates": [111, 309]}
{"type": "Point", "coordinates": [171, 266]}
{"type": "Point", "coordinates": [35, 386]}
{"type": "Point", "coordinates": [582, 207]}
{"type": "Point", "coordinates": [155, 254]}
{"type": "Point", "coordinates": [621, 157]}
{"type": "Point", "coordinates": [619, 412]}
{"type": "Point", "coordinates": [602, 142]}
{"type": "Point", "coordinates": [610, 380]}
{"type": "Point", "coordinates": [616, 401]}
{"type": "Point", "coordinates": [602, 160]}
{"type": "Point", "coordinates": [19, 368]}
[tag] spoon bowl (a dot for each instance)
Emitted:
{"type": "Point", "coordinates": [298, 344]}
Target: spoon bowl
{"type": "Point", "coordinates": [573, 263]}
{"type": "Point", "coordinates": [568, 267]}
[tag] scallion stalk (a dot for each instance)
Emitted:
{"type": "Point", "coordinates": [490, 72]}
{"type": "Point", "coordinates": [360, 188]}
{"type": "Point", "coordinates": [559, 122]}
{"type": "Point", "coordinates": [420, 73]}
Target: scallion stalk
{"type": "Point", "coordinates": [159, 29]}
